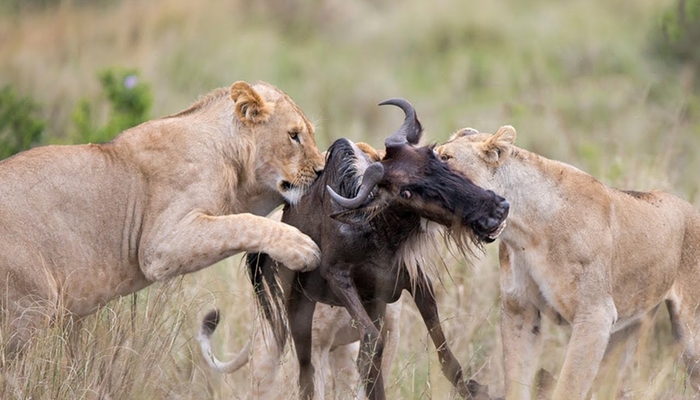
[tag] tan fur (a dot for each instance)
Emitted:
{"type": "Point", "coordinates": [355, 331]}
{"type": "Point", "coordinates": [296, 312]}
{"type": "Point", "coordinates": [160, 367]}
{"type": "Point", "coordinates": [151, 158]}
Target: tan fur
{"type": "Point", "coordinates": [81, 225]}
{"type": "Point", "coordinates": [584, 254]}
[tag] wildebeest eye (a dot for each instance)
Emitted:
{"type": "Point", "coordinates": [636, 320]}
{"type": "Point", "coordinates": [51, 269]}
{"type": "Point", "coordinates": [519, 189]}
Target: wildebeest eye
{"type": "Point", "coordinates": [406, 194]}
{"type": "Point", "coordinates": [294, 134]}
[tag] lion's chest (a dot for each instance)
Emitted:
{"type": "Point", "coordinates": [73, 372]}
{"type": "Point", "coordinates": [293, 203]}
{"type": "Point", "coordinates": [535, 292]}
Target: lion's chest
{"type": "Point", "coordinates": [533, 279]}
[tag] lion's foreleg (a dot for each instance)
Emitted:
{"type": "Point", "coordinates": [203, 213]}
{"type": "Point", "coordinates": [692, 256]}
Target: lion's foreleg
{"type": "Point", "coordinates": [202, 240]}
{"type": "Point", "coordinates": [522, 345]}
{"type": "Point", "coordinates": [520, 331]}
{"type": "Point", "coordinates": [590, 335]}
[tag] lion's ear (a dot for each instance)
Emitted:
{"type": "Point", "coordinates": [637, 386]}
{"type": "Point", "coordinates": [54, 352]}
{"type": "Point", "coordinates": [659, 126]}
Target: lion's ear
{"type": "Point", "coordinates": [250, 107]}
{"type": "Point", "coordinates": [506, 133]}
{"type": "Point", "coordinates": [497, 146]}
{"type": "Point", "coordinates": [373, 154]}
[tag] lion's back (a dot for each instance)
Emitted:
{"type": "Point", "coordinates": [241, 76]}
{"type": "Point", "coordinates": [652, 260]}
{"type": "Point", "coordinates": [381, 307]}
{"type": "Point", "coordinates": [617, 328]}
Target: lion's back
{"type": "Point", "coordinates": [53, 198]}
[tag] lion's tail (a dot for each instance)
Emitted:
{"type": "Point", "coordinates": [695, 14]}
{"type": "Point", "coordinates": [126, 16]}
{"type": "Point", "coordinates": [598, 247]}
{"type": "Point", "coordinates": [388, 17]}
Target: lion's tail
{"type": "Point", "coordinates": [209, 324]}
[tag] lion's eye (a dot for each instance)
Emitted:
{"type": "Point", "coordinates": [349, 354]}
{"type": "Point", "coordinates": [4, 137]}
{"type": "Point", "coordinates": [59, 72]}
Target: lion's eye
{"type": "Point", "coordinates": [294, 134]}
{"type": "Point", "coordinates": [444, 157]}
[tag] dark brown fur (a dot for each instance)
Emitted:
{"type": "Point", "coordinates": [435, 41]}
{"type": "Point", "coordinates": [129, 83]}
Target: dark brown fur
{"type": "Point", "coordinates": [364, 251]}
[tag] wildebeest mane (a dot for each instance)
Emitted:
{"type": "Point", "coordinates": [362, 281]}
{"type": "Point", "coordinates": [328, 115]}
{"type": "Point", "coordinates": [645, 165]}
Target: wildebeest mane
{"type": "Point", "coordinates": [341, 170]}
{"type": "Point", "coordinates": [343, 173]}
{"type": "Point", "coordinates": [269, 295]}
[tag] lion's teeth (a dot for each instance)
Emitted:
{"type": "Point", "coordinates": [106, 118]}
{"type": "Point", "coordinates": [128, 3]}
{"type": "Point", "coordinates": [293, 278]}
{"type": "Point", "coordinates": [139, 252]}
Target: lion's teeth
{"type": "Point", "coordinates": [498, 232]}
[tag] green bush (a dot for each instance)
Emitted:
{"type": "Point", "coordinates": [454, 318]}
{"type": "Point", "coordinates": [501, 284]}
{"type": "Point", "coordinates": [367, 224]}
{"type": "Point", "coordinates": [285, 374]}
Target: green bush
{"type": "Point", "coordinates": [20, 127]}
{"type": "Point", "coordinates": [680, 27]}
{"type": "Point", "coordinates": [129, 105]}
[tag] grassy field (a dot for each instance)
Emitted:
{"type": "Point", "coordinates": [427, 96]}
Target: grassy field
{"type": "Point", "coordinates": [579, 81]}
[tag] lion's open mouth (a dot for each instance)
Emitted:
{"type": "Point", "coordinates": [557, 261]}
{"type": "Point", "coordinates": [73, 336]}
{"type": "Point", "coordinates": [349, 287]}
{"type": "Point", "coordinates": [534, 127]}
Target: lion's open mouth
{"type": "Point", "coordinates": [490, 236]}
{"type": "Point", "coordinates": [495, 234]}
{"type": "Point", "coordinates": [285, 185]}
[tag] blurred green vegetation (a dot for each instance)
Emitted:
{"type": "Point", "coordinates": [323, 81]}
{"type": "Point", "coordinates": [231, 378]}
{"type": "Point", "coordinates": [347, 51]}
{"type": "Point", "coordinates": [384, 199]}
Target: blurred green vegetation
{"type": "Point", "coordinates": [128, 104]}
{"type": "Point", "coordinates": [129, 101]}
{"type": "Point", "coordinates": [680, 25]}
{"type": "Point", "coordinates": [21, 125]}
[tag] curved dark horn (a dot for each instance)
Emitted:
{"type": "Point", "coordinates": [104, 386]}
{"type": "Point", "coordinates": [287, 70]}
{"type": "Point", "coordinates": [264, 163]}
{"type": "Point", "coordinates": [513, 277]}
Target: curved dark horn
{"type": "Point", "coordinates": [411, 129]}
{"type": "Point", "coordinates": [373, 174]}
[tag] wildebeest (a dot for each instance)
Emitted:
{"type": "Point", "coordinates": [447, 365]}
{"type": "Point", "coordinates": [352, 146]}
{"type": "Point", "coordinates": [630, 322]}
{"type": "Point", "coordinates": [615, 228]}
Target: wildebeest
{"type": "Point", "coordinates": [372, 221]}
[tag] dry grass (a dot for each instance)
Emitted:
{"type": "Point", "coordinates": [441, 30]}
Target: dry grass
{"type": "Point", "coordinates": [574, 78]}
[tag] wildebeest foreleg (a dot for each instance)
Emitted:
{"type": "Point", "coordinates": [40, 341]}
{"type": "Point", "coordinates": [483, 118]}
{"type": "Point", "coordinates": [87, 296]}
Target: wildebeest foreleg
{"type": "Point", "coordinates": [371, 343]}
{"type": "Point", "coordinates": [371, 354]}
{"type": "Point", "coordinates": [300, 310]}
{"type": "Point", "coordinates": [425, 301]}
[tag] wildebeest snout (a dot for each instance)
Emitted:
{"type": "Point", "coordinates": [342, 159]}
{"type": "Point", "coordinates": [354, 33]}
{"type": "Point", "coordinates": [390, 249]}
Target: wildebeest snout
{"type": "Point", "coordinates": [501, 212]}
{"type": "Point", "coordinates": [490, 225]}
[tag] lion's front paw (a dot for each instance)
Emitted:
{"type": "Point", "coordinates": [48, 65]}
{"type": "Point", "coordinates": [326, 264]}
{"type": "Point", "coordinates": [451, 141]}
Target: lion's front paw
{"type": "Point", "coordinates": [295, 250]}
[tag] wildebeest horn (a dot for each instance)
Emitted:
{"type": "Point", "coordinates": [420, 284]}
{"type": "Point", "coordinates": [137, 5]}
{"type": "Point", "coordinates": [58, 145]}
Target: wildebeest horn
{"type": "Point", "coordinates": [411, 129]}
{"type": "Point", "coordinates": [373, 174]}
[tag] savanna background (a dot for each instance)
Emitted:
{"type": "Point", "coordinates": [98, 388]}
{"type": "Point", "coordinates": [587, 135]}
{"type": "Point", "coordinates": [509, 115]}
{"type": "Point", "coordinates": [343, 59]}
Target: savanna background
{"type": "Point", "coordinates": [608, 86]}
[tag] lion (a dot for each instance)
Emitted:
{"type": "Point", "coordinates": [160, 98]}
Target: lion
{"type": "Point", "coordinates": [84, 224]}
{"type": "Point", "coordinates": [584, 254]}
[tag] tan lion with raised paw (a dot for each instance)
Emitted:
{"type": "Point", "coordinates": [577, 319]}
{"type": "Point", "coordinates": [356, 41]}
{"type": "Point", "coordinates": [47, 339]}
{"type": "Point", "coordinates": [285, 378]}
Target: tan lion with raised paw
{"type": "Point", "coordinates": [81, 225]}
{"type": "Point", "coordinates": [594, 257]}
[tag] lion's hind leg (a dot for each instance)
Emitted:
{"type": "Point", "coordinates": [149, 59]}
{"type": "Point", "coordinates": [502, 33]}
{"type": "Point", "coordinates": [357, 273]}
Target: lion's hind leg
{"type": "Point", "coordinates": [683, 301]}
{"type": "Point", "coordinates": [685, 326]}
{"type": "Point", "coordinates": [614, 375]}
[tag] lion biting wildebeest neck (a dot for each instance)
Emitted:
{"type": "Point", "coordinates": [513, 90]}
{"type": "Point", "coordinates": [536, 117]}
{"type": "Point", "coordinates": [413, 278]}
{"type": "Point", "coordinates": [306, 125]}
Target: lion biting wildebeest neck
{"type": "Point", "coordinates": [374, 219]}
{"type": "Point", "coordinates": [84, 224]}
{"type": "Point", "coordinates": [585, 254]}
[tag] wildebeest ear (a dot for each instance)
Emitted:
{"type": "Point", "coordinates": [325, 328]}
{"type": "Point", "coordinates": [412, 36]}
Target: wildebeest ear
{"type": "Point", "coordinates": [496, 147]}
{"type": "Point", "coordinates": [251, 109]}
